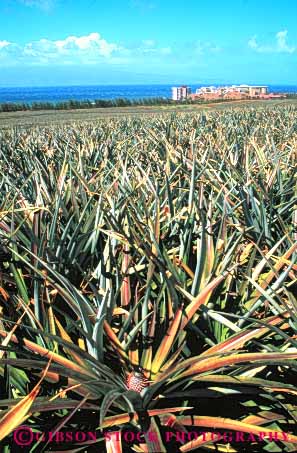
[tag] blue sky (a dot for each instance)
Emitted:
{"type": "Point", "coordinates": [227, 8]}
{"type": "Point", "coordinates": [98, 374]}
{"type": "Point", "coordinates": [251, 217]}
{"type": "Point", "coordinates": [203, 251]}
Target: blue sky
{"type": "Point", "coordinates": [61, 42]}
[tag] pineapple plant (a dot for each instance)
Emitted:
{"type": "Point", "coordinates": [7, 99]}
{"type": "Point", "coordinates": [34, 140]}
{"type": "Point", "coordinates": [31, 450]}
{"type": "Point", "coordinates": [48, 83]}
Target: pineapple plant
{"type": "Point", "coordinates": [148, 274]}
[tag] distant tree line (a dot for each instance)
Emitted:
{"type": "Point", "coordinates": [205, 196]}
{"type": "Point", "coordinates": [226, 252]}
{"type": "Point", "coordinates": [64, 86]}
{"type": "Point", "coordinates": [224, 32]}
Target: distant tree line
{"type": "Point", "coordinates": [97, 103]}
{"type": "Point", "coordinates": [106, 103]}
{"type": "Point", "coordinates": [84, 104]}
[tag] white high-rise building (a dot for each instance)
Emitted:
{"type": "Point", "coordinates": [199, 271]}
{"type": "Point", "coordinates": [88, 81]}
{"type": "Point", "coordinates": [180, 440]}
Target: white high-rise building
{"type": "Point", "coordinates": [180, 93]}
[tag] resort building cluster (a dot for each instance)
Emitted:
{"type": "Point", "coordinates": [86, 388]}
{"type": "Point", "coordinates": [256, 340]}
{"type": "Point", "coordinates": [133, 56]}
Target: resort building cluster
{"type": "Point", "coordinates": [225, 92]}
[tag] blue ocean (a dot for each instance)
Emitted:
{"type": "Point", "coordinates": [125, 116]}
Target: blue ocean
{"type": "Point", "coordinates": [64, 93]}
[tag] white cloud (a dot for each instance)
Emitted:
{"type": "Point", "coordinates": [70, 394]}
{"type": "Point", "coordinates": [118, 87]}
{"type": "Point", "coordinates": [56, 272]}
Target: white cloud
{"type": "Point", "coordinates": [94, 49]}
{"type": "Point", "coordinates": [202, 48]}
{"type": "Point", "coordinates": [252, 43]}
{"type": "Point", "coordinates": [280, 45]}
{"type": "Point", "coordinates": [148, 49]}
{"type": "Point", "coordinates": [91, 42]}
{"type": "Point", "coordinates": [37, 49]}
{"type": "Point", "coordinates": [149, 43]}
{"type": "Point", "coordinates": [91, 48]}
{"type": "Point", "coordinates": [4, 44]}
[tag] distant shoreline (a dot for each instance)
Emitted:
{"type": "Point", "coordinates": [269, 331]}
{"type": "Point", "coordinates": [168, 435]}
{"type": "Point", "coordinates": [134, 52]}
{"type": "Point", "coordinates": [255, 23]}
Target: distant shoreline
{"type": "Point", "coordinates": [106, 93]}
{"type": "Point", "coordinates": [73, 104]}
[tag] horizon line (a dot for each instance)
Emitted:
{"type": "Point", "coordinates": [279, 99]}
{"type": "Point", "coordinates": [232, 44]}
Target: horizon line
{"type": "Point", "coordinates": [143, 84]}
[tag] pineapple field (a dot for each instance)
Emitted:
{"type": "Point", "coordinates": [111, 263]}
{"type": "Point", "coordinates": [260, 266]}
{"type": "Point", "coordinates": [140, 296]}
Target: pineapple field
{"type": "Point", "coordinates": [148, 284]}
